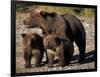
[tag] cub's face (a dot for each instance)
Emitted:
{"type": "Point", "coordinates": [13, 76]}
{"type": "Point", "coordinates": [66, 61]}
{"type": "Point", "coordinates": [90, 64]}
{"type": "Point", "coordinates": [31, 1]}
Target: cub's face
{"type": "Point", "coordinates": [51, 42]}
{"type": "Point", "coordinates": [28, 39]}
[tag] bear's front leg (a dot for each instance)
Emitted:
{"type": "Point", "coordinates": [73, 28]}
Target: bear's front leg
{"type": "Point", "coordinates": [27, 57]}
{"type": "Point", "coordinates": [60, 53]}
{"type": "Point", "coordinates": [51, 55]}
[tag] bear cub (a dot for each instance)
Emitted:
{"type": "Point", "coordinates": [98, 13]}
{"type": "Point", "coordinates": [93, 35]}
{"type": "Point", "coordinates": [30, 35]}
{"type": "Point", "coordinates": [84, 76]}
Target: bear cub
{"type": "Point", "coordinates": [32, 46]}
{"type": "Point", "coordinates": [63, 48]}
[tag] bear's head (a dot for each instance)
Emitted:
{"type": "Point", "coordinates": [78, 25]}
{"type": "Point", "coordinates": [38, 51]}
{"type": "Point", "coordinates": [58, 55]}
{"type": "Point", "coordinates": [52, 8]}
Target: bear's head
{"type": "Point", "coordinates": [34, 19]}
{"type": "Point", "coordinates": [39, 19]}
{"type": "Point", "coordinates": [51, 41]}
{"type": "Point", "coordinates": [31, 40]}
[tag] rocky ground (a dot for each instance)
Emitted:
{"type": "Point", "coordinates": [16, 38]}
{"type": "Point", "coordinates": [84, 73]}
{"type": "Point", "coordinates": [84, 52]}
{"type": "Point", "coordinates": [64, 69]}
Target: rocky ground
{"type": "Point", "coordinates": [89, 25]}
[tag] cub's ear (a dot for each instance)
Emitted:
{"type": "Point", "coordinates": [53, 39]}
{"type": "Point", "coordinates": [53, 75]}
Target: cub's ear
{"type": "Point", "coordinates": [23, 35]}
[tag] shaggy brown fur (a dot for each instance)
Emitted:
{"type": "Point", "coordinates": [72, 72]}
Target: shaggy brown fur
{"type": "Point", "coordinates": [66, 26]}
{"type": "Point", "coordinates": [63, 48]}
{"type": "Point", "coordinates": [32, 46]}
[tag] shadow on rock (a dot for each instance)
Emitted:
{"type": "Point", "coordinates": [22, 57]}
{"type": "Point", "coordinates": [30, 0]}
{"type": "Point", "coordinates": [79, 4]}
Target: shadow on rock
{"type": "Point", "coordinates": [90, 57]}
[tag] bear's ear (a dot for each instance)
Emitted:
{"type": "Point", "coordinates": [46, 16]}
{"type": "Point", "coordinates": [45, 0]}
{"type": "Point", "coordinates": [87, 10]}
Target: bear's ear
{"type": "Point", "coordinates": [53, 14]}
{"type": "Point", "coordinates": [43, 13]}
{"type": "Point", "coordinates": [23, 35]}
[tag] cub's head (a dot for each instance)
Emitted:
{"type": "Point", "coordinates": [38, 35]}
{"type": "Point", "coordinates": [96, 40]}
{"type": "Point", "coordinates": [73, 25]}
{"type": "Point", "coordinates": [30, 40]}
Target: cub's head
{"type": "Point", "coordinates": [31, 39]}
{"type": "Point", "coordinates": [51, 41]}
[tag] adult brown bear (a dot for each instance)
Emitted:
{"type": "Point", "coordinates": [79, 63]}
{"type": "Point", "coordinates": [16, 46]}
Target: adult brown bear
{"type": "Point", "coordinates": [65, 25]}
{"type": "Point", "coordinates": [55, 46]}
{"type": "Point", "coordinates": [32, 46]}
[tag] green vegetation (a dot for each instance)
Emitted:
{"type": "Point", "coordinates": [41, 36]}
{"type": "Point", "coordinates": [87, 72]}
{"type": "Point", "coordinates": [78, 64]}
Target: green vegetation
{"type": "Point", "coordinates": [85, 12]}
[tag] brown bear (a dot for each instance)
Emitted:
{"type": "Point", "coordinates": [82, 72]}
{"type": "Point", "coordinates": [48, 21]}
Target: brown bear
{"type": "Point", "coordinates": [32, 46]}
{"type": "Point", "coordinates": [65, 25]}
{"type": "Point", "coordinates": [63, 48]}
